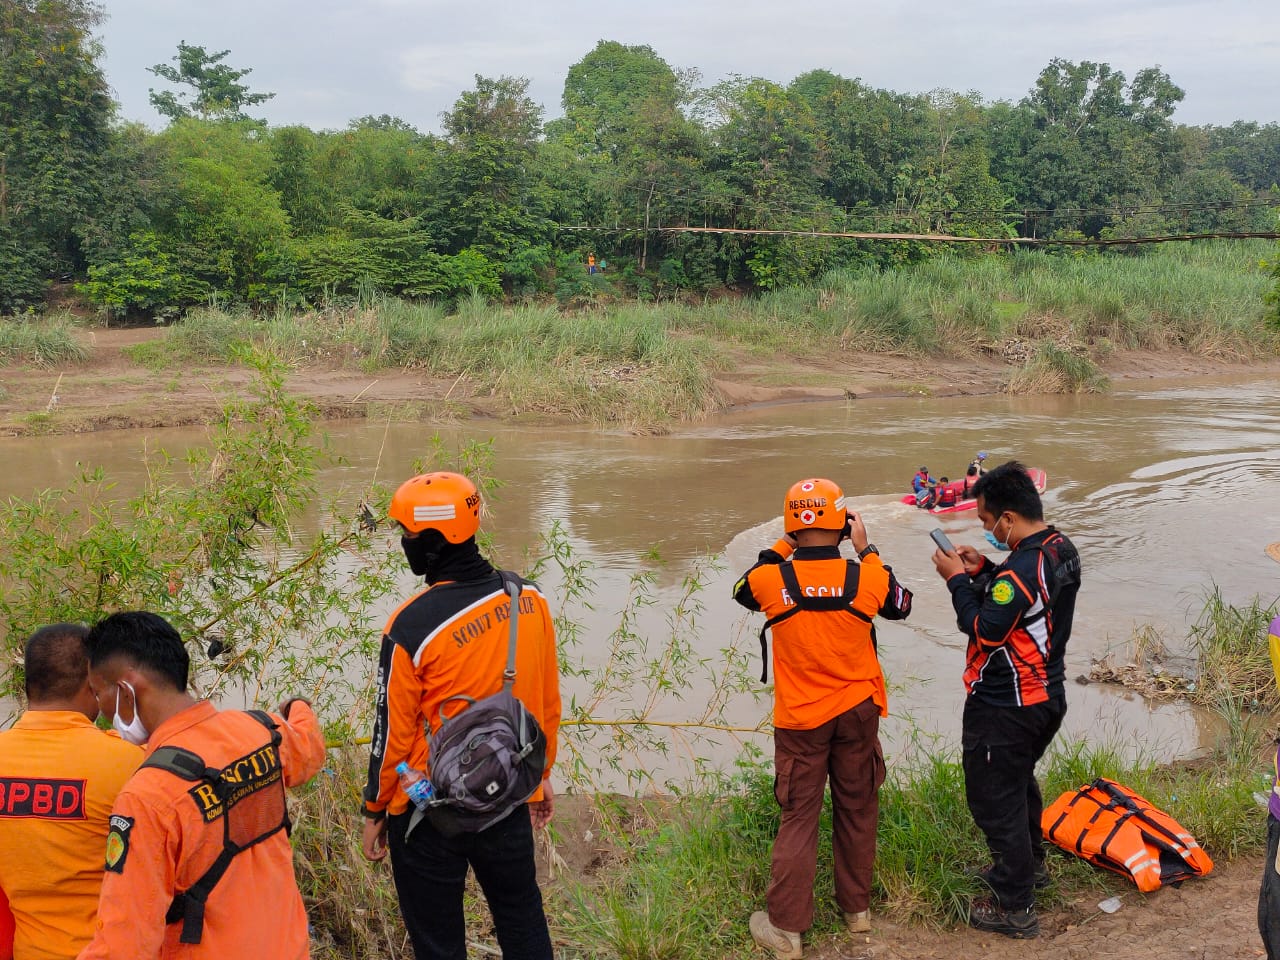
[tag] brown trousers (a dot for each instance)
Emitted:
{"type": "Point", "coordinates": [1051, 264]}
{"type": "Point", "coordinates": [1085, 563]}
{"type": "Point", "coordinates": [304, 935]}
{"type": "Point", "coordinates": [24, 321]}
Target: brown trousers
{"type": "Point", "coordinates": [847, 750]}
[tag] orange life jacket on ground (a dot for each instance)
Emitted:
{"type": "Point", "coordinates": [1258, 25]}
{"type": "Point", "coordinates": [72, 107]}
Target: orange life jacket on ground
{"type": "Point", "coordinates": [1111, 826]}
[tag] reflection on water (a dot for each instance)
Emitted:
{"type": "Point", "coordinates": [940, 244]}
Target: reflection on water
{"type": "Point", "coordinates": [1165, 491]}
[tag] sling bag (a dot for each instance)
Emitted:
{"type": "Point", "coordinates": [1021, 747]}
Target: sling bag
{"type": "Point", "coordinates": [488, 758]}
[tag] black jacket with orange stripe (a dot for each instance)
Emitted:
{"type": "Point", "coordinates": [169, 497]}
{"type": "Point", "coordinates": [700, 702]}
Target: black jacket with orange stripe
{"type": "Point", "coordinates": [447, 640]}
{"type": "Point", "coordinates": [1017, 616]}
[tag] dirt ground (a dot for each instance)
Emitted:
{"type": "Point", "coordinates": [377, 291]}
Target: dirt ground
{"type": "Point", "coordinates": [110, 390]}
{"type": "Point", "coordinates": [1213, 918]}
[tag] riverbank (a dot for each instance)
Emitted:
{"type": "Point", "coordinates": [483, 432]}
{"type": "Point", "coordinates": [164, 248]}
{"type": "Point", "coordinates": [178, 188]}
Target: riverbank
{"type": "Point", "coordinates": [118, 386]}
{"type": "Point", "coordinates": [949, 326]}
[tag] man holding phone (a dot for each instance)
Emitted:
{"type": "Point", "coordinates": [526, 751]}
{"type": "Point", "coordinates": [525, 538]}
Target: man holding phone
{"type": "Point", "coordinates": [1017, 616]}
{"type": "Point", "coordinates": [829, 696]}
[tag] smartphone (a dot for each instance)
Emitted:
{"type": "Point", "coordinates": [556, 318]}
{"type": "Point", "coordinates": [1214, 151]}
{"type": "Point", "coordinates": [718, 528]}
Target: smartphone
{"type": "Point", "coordinates": [941, 540]}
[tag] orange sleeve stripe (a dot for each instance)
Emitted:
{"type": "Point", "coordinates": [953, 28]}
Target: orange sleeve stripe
{"type": "Point", "coordinates": [1020, 585]}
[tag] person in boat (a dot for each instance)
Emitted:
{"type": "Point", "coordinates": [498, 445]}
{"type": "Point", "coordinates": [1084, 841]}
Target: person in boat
{"type": "Point", "coordinates": [973, 472]}
{"type": "Point", "coordinates": [920, 481]}
{"type": "Point", "coordinates": [947, 495]}
{"type": "Point", "coordinates": [929, 498]}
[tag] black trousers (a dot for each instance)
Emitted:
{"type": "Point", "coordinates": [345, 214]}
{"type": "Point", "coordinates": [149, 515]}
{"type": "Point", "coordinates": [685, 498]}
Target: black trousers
{"type": "Point", "coordinates": [1000, 747]}
{"type": "Point", "coordinates": [430, 870]}
{"type": "Point", "coordinates": [1269, 895]}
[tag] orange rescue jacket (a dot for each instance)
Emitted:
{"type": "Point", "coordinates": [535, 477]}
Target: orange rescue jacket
{"type": "Point", "coordinates": [1111, 826]}
{"type": "Point", "coordinates": [450, 639]}
{"type": "Point", "coordinates": [824, 659]}
{"type": "Point", "coordinates": [59, 776]}
{"type": "Point", "coordinates": [165, 835]}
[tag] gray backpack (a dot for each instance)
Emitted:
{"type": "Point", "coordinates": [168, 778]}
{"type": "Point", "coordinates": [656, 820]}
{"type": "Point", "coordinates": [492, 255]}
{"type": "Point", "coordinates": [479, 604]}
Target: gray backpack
{"type": "Point", "coordinates": [489, 757]}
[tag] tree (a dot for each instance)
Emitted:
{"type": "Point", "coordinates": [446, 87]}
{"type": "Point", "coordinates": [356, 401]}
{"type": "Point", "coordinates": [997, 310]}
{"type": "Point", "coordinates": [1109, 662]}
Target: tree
{"type": "Point", "coordinates": [55, 115]}
{"type": "Point", "coordinates": [771, 154]}
{"type": "Point", "coordinates": [641, 159]}
{"type": "Point", "coordinates": [217, 226]}
{"type": "Point", "coordinates": [869, 135]}
{"type": "Point", "coordinates": [486, 195]}
{"type": "Point", "coordinates": [605, 91]}
{"type": "Point", "coordinates": [1099, 141]}
{"type": "Point", "coordinates": [217, 93]}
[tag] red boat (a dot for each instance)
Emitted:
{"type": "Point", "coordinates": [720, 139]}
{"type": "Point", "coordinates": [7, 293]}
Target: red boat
{"type": "Point", "coordinates": [964, 502]}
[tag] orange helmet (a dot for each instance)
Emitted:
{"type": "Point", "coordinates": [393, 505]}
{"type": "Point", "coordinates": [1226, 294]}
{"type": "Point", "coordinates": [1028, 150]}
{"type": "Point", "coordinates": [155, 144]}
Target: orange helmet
{"type": "Point", "coordinates": [443, 501]}
{"type": "Point", "coordinates": [813, 505]}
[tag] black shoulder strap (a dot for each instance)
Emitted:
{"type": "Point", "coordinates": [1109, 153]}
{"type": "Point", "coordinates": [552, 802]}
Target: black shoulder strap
{"type": "Point", "coordinates": [269, 722]}
{"type": "Point", "coordinates": [181, 763]}
{"type": "Point", "coordinates": [802, 602]}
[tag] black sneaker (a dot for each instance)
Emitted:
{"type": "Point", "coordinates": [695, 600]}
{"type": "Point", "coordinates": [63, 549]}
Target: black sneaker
{"type": "Point", "coordinates": [988, 915]}
{"type": "Point", "coordinates": [1040, 880]}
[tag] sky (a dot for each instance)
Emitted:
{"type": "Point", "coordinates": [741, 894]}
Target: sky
{"type": "Point", "coordinates": [330, 62]}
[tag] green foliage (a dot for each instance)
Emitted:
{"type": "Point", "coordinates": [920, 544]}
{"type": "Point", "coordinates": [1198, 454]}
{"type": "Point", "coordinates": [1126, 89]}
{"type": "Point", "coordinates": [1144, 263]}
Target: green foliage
{"type": "Point", "coordinates": [216, 91]}
{"type": "Point", "coordinates": [147, 278]}
{"type": "Point", "coordinates": [213, 543]}
{"type": "Point", "coordinates": [505, 205]}
{"type": "Point", "coordinates": [1232, 657]}
{"type": "Point", "coordinates": [54, 129]}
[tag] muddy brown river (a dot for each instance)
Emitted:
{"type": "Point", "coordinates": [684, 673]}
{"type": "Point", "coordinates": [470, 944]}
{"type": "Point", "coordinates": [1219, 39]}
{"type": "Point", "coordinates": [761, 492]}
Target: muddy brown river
{"type": "Point", "coordinates": [1166, 489]}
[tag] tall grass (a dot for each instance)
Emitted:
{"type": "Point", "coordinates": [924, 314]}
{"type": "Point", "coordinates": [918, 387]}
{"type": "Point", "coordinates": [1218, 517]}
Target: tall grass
{"type": "Point", "coordinates": [649, 364]}
{"type": "Point", "coordinates": [688, 884]}
{"type": "Point", "coordinates": [43, 342]}
{"type": "Point", "coordinates": [1056, 369]}
{"type": "Point", "coordinates": [1233, 659]}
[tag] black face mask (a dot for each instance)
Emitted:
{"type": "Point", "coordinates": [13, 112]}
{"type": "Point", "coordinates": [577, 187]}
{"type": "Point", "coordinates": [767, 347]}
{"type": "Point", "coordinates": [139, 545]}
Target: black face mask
{"type": "Point", "coordinates": [423, 552]}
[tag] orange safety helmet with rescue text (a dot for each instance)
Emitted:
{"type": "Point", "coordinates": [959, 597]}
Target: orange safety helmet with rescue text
{"type": "Point", "coordinates": [813, 505]}
{"type": "Point", "coordinates": [443, 501]}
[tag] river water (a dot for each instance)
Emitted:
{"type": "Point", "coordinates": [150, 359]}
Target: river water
{"type": "Point", "coordinates": [1166, 489]}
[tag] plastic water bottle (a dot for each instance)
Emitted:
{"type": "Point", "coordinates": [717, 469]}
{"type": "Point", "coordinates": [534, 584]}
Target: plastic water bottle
{"type": "Point", "coordinates": [415, 784]}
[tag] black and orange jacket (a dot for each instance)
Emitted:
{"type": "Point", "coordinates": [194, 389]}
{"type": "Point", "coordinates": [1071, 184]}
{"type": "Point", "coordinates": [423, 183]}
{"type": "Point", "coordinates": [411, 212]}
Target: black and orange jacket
{"type": "Point", "coordinates": [449, 640]}
{"type": "Point", "coordinates": [1017, 616]}
{"type": "Point", "coordinates": [824, 661]}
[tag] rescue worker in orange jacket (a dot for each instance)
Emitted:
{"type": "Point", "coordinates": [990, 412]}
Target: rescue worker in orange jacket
{"type": "Point", "coordinates": [829, 696]}
{"type": "Point", "coordinates": [1017, 617]}
{"type": "Point", "coordinates": [451, 639]}
{"type": "Point", "coordinates": [59, 776]}
{"type": "Point", "coordinates": [160, 897]}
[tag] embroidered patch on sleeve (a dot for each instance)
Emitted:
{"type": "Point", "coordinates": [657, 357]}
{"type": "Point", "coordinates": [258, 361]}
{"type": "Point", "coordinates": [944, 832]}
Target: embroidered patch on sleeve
{"type": "Point", "coordinates": [118, 842]}
{"type": "Point", "coordinates": [1002, 592]}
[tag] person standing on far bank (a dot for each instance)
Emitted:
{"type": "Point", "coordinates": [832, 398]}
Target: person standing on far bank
{"type": "Point", "coordinates": [829, 696]}
{"type": "Point", "coordinates": [1017, 617]}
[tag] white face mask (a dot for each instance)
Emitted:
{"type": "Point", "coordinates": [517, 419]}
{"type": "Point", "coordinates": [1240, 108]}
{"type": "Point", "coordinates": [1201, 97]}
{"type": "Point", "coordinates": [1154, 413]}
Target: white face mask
{"type": "Point", "coordinates": [133, 731]}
